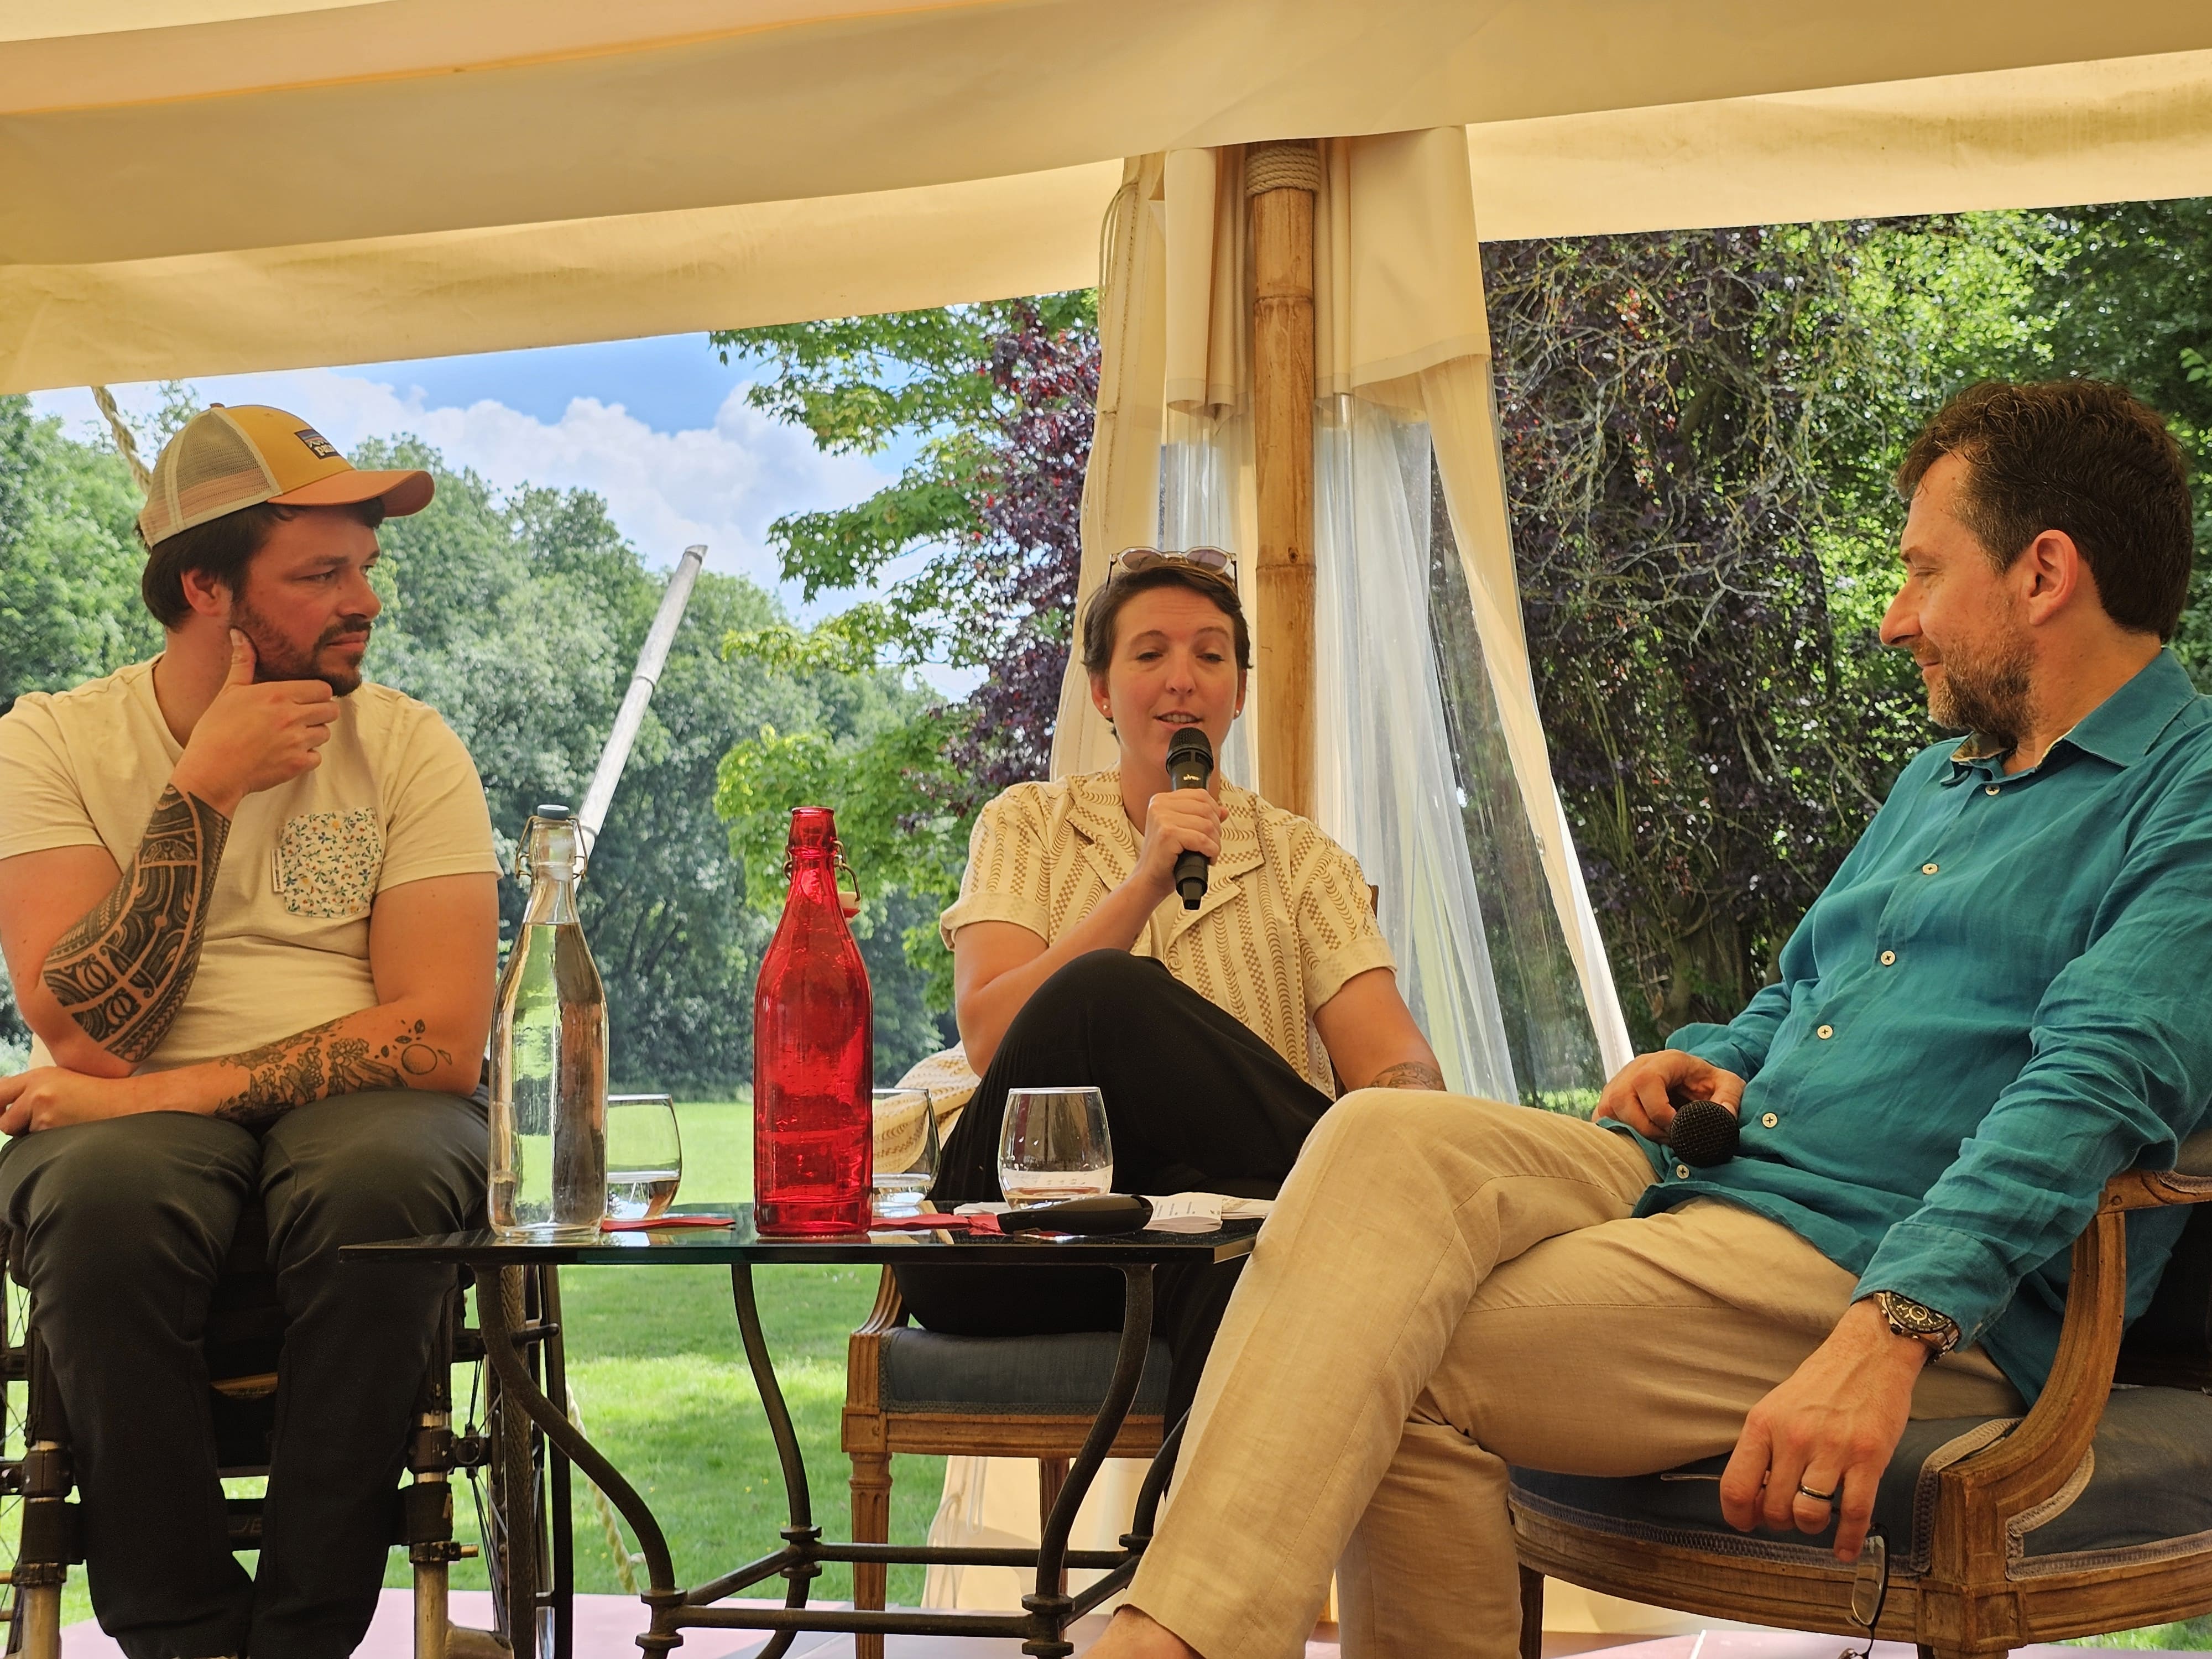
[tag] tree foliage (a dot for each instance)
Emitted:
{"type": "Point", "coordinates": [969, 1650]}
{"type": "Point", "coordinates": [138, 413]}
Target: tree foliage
{"type": "Point", "coordinates": [519, 617]}
{"type": "Point", "coordinates": [1711, 741]}
{"type": "Point", "coordinates": [997, 402]}
{"type": "Point", "coordinates": [70, 558]}
{"type": "Point", "coordinates": [2131, 300]}
{"type": "Point", "coordinates": [1700, 429]}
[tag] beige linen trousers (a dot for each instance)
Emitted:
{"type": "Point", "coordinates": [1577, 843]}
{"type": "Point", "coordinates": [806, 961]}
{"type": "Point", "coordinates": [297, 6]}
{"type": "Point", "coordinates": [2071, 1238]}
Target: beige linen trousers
{"type": "Point", "coordinates": [1448, 1286]}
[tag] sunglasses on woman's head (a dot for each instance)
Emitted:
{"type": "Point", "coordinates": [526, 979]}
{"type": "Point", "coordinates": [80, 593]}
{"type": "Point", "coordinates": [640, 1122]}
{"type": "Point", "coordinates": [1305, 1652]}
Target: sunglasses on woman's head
{"type": "Point", "coordinates": [1212, 561]}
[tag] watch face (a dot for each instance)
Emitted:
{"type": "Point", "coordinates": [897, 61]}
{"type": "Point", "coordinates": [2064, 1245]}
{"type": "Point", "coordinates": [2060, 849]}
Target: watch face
{"type": "Point", "coordinates": [1908, 1318]}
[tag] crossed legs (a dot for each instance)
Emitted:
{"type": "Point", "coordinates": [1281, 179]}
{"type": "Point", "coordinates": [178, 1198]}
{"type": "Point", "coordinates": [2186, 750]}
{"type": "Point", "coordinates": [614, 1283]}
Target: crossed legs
{"type": "Point", "coordinates": [1448, 1286]}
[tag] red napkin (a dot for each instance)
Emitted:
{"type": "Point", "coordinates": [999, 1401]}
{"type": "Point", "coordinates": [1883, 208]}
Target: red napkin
{"type": "Point", "coordinates": [974, 1224]}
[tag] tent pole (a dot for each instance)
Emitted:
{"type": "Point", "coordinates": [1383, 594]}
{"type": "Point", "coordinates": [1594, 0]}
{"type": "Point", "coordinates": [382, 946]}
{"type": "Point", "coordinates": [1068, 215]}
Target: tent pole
{"type": "Point", "coordinates": [1280, 180]}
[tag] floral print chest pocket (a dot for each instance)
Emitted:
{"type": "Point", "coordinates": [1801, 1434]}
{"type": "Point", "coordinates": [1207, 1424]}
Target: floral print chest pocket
{"type": "Point", "coordinates": [325, 863]}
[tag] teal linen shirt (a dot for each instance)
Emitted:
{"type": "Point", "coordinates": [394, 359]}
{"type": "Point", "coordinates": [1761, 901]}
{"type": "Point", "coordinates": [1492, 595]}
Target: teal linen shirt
{"type": "Point", "coordinates": [2000, 1001]}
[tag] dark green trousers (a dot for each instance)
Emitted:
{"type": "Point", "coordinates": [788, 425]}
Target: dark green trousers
{"type": "Point", "coordinates": [126, 1224]}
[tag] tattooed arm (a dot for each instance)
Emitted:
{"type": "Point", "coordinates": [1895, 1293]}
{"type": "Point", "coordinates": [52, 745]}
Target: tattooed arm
{"type": "Point", "coordinates": [1370, 1036]}
{"type": "Point", "coordinates": [432, 946]}
{"type": "Point", "coordinates": [380, 1047]}
{"type": "Point", "coordinates": [123, 971]}
{"type": "Point", "coordinates": [102, 959]}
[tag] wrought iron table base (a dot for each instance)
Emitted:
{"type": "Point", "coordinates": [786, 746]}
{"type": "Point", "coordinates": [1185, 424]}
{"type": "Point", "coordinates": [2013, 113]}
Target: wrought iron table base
{"type": "Point", "coordinates": [1042, 1627]}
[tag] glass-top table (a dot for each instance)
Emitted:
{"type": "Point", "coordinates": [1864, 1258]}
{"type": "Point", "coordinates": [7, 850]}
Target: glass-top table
{"type": "Point", "coordinates": [500, 1265]}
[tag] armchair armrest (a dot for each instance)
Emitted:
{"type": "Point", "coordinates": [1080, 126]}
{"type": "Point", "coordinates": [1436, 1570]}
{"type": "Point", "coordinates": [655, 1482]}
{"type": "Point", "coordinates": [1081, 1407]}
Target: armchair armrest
{"type": "Point", "coordinates": [1979, 1495]}
{"type": "Point", "coordinates": [889, 1311]}
{"type": "Point", "coordinates": [863, 1429]}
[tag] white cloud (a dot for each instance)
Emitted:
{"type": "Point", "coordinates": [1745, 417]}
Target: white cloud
{"type": "Point", "coordinates": [721, 485]}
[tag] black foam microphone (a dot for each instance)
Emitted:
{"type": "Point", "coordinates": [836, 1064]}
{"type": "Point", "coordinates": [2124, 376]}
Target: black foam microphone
{"type": "Point", "coordinates": [1704, 1133]}
{"type": "Point", "coordinates": [1190, 763]}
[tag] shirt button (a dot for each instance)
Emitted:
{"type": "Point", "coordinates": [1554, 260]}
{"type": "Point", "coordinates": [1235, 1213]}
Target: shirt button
{"type": "Point", "coordinates": [1824, 1032]}
{"type": "Point", "coordinates": [1927, 869]}
{"type": "Point", "coordinates": [1767, 1120]}
{"type": "Point", "coordinates": [1989, 789]}
{"type": "Point", "coordinates": [1682, 1171]}
{"type": "Point", "coordinates": [1888, 957]}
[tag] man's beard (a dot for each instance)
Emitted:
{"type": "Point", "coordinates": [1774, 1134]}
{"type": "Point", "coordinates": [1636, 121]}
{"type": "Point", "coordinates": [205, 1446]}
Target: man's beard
{"type": "Point", "coordinates": [1986, 695]}
{"type": "Point", "coordinates": [275, 659]}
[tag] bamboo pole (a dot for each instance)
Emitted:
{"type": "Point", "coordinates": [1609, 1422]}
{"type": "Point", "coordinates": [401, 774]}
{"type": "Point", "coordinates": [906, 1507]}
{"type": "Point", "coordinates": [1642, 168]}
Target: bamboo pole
{"type": "Point", "coordinates": [1280, 180]}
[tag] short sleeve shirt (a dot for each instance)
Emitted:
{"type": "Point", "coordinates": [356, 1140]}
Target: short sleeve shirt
{"type": "Point", "coordinates": [395, 799]}
{"type": "Point", "coordinates": [1286, 919]}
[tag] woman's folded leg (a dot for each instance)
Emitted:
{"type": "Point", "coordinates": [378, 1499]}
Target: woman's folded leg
{"type": "Point", "coordinates": [1194, 1098]}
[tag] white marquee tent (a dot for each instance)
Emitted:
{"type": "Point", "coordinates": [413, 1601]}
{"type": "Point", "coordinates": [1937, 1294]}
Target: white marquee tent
{"type": "Point", "coordinates": [203, 186]}
{"type": "Point", "coordinates": [194, 187]}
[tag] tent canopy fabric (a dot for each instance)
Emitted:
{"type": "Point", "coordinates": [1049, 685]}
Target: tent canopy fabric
{"type": "Point", "coordinates": [197, 186]}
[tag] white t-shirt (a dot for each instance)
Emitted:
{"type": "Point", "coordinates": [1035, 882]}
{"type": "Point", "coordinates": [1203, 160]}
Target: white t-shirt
{"type": "Point", "coordinates": [396, 800]}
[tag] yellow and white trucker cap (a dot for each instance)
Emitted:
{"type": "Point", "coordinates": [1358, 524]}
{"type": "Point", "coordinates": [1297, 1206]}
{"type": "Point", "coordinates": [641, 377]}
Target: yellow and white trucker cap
{"type": "Point", "coordinates": [228, 459]}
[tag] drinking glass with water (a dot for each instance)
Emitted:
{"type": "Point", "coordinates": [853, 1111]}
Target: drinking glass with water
{"type": "Point", "coordinates": [906, 1149]}
{"type": "Point", "coordinates": [1053, 1144]}
{"type": "Point", "coordinates": [645, 1156]}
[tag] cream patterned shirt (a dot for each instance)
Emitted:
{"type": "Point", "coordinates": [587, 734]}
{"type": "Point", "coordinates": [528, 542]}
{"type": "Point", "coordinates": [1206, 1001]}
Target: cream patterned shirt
{"type": "Point", "coordinates": [1284, 922]}
{"type": "Point", "coordinates": [395, 799]}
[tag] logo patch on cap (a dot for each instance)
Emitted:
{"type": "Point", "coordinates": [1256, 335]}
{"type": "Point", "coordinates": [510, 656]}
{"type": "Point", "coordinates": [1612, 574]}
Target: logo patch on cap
{"type": "Point", "coordinates": [319, 447]}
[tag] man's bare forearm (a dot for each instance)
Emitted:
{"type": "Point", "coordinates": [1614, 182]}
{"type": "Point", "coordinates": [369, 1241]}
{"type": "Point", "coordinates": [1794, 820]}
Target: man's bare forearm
{"type": "Point", "coordinates": [392, 1046]}
{"type": "Point", "coordinates": [123, 972]}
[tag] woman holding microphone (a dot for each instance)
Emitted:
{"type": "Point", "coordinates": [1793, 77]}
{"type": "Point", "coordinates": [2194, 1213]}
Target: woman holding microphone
{"type": "Point", "coordinates": [1076, 963]}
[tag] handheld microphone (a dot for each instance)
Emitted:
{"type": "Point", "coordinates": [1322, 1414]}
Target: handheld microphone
{"type": "Point", "coordinates": [1704, 1133]}
{"type": "Point", "coordinates": [1190, 763]}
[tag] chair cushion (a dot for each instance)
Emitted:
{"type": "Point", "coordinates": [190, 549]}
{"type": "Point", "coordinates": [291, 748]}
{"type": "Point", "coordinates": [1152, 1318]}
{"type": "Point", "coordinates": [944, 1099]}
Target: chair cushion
{"type": "Point", "coordinates": [1016, 1375]}
{"type": "Point", "coordinates": [2145, 1490]}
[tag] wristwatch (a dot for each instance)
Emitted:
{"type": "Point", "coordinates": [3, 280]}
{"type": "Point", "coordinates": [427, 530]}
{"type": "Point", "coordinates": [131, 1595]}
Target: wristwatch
{"type": "Point", "coordinates": [1937, 1332]}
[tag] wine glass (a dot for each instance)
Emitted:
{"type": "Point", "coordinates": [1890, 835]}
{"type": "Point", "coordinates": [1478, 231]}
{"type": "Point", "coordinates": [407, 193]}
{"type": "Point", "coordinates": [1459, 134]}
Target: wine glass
{"type": "Point", "coordinates": [1054, 1143]}
{"type": "Point", "coordinates": [645, 1156]}
{"type": "Point", "coordinates": [906, 1149]}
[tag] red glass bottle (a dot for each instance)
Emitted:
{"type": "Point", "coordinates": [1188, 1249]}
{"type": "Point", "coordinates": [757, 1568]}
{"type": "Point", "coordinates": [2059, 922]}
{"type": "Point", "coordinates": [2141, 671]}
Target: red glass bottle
{"type": "Point", "coordinates": [813, 1052]}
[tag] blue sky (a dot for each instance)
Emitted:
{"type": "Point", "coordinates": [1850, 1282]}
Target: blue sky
{"type": "Point", "coordinates": [659, 427]}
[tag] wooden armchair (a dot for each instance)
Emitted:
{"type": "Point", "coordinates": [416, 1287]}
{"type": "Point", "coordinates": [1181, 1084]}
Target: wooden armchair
{"type": "Point", "coordinates": [2092, 1513]}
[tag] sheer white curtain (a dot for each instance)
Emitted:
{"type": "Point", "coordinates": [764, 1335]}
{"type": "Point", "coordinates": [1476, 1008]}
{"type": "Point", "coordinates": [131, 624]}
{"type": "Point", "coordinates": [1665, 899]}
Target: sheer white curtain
{"type": "Point", "coordinates": [1385, 778]}
{"type": "Point", "coordinates": [1202, 483]}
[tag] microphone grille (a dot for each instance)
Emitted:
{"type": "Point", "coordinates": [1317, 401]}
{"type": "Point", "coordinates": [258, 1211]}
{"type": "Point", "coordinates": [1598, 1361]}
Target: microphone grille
{"type": "Point", "coordinates": [1191, 740]}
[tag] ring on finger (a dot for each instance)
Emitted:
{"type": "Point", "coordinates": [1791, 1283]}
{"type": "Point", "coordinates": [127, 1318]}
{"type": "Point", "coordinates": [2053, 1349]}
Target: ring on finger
{"type": "Point", "coordinates": [1804, 1490]}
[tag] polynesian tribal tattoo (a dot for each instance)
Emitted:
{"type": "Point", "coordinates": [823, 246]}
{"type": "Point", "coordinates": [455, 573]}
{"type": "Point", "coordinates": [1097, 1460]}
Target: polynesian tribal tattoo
{"type": "Point", "coordinates": [122, 972]}
{"type": "Point", "coordinates": [324, 1061]}
{"type": "Point", "coordinates": [1408, 1074]}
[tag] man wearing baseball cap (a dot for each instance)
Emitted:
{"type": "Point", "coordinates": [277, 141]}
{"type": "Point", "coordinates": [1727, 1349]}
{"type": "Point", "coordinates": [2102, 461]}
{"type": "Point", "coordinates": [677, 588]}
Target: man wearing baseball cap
{"type": "Point", "coordinates": [248, 904]}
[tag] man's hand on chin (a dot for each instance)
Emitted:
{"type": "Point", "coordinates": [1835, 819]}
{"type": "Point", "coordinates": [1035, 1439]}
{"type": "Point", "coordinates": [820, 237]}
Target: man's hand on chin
{"type": "Point", "coordinates": [1829, 1428]}
{"type": "Point", "coordinates": [48, 1096]}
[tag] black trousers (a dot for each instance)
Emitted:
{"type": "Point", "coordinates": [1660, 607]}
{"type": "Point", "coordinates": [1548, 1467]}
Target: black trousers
{"type": "Point", "coordinates": [126, 1224]}
{"type": "Point", "coordinates": [1195, 1101]}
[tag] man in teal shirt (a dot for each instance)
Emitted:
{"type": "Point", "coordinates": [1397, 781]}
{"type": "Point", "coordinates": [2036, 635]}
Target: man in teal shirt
{"type": "Point", "coordinates": [1996, 1004]}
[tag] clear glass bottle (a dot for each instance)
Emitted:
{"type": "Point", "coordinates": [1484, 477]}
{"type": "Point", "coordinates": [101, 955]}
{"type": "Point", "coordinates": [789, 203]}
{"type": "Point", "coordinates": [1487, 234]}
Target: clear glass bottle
{"type": "Point", "coordinates": [548, 1054]}
{"type": "Point", "coordinates": [813, 1052]}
